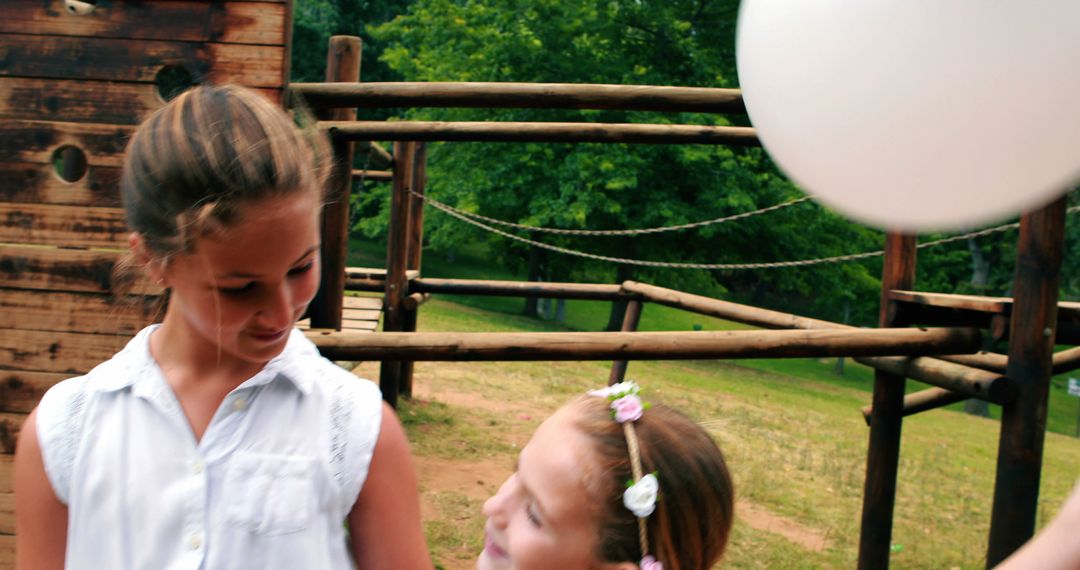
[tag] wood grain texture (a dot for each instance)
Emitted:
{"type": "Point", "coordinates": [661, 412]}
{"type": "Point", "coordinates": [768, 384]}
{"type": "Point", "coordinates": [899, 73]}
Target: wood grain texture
{"type": "Point", "coordinates": [84, 101]}
{"type": "Point", "coordinates": [10, 424]}
{"type": "Point", "coordinates": [191, 20]}
{"type": "Point", "coordinates": [7, 473]}
{"type": "Point", "coordinates": [30, 183]}
{"type": "Point", "coordinates": [75, 312]}
{"type": "Point", "coordinates": [68, 353]}
{"type": "Point", "coordinates": [109, 59]}
{"type": "Point", "coordinates": [36, 141]}
{"type": "Point", "coordinates": [20, 391]}
{"type": "Point", "coordinates": [56, 269]}
{"type": "Point", "coordinates": [7, 513]}
{"type": "Point", "coordinates": [74, 226]}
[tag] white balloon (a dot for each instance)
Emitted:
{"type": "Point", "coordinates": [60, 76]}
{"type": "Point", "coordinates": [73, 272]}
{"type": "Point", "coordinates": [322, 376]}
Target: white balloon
{"type": "Point", "coordinates": [917, 114]}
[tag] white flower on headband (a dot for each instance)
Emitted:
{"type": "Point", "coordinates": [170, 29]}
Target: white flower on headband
{"type": "Point", "coordinates": [616, 391]}
{"type": "Point", "coordinates": [640, 497]}
{"type": "Point", "coordinates": [650, 563]}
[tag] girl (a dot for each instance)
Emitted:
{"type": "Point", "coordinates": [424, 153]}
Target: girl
{"type": "Point", "coordinates": [606, 484]}
{"type": "Point", "coordinates": [219, 438]}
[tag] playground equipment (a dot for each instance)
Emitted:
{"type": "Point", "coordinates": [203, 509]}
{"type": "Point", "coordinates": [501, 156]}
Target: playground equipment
{"type": "Point", "coordinates": [68, 105]}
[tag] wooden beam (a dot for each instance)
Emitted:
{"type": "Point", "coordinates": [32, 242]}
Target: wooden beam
{"type": "Point", "coordinates": [413, 301]}
{"type": "Point", "coordinates": [518, 289]}
{"type": "Point", "coordinates": [744, 314]}
{"type": "Point", "coordinates": [374, 155]}
{"type": "Point", "coordinates": [631, 318]}
{"type": "Point", "coordinates": [1066, 361]}
{"type": "Point", "coordinates": [922, 401]}
{"type": "Point", "coordinates": [464, 131]}
{"type": "Point", "coordinates": [373, 175]}
{"type": "Point", "coordinates": [968, 382]}
{"type": "Point", "coordinates": [883, 457]}
{"type": "Point", "coordinates": [342, 64]}
{"type": "Point", "coordinates": [1031, 348]}
{"type": "Point", "coordinates": [642, 345]}
{"type": "Point", "coordinates": [525, 95]}
{"type": "Point", "coordinates": [396, 286]}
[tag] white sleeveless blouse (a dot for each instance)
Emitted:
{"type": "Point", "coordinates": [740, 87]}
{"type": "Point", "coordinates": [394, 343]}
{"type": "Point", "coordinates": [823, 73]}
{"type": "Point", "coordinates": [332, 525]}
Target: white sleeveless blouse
{"type": "Point", "coordinates": [269, 485]}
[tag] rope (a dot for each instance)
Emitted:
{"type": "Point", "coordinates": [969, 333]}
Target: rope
{"type": "Point", "coordinates": [635, 468]}
{"type": "Point", "coordinates": [561, 231]}
{"type": "Point", "coordinates": [723, 266]}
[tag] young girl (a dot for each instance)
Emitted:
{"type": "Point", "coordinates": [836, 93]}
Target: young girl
{"type": "Point", "coordinates": [220, 438]}
{"type": "Point", "coordinates": [607, 484]}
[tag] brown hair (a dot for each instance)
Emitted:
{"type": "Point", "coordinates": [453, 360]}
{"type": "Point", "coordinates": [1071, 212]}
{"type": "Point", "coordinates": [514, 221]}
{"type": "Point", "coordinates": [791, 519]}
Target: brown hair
{"type": "Point", "coordinates": [689, 529]}
{"type": "Point", "coordinates": [193, 163]}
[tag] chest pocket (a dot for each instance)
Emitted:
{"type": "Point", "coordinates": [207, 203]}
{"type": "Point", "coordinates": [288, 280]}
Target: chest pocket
{"type": "Point", "coordinates": [269, 494]}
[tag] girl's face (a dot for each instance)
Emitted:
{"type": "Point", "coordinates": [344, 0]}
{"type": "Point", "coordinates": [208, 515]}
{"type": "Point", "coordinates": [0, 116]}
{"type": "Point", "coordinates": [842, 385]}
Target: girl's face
{"type": "Point", "coordinates": [240, 291]}
{"type": "Point", "coordinates": [543, 516]}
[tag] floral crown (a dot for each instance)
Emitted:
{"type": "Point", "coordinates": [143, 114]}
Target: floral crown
{"type": "Point", "coordinates": [641, 493]}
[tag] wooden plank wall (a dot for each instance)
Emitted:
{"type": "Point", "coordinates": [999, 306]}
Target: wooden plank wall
{"type": "Point", "coordinates": [86, 81]}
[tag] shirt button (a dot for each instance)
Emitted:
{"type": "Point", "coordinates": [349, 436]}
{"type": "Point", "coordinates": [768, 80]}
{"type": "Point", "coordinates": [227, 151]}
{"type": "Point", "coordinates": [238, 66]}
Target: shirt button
{"type": "Point", "coordinates": [195, 542]}
{"type": "Point", "coordinates": [240, 404]}
{"type": "Point", "coordinates": [197, 466]}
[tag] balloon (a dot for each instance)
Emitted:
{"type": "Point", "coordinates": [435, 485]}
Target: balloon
{"type": "Point", "coordinates": [916, 115]}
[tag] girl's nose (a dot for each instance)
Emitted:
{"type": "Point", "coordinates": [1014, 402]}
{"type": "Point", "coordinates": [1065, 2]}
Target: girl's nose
{"type": "Point", "coordinates": [497, 506]}
{"type": "Point", "coordinates": [277, 310]}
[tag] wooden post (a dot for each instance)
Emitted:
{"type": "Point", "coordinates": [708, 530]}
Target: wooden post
{"type": "Point", "coordinates": [397, 259]}
{"type": "Point", "coordinates": [415, 243]}
{"type": "Point", "coordinates": [883, 457]}
{"type": "Point", "coordinates": [342, 65]}
{"type": "Point", "coordinates": [629, 324]}
{"type": "Point", "coordinates": [1031, 345]}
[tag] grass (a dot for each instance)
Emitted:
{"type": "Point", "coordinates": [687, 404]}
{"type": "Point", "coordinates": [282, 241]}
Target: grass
{"type": "Point", "coordinates": [790, 428]}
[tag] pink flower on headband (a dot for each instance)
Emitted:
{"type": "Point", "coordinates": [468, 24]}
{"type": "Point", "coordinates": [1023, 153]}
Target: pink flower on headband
{"type": "Point", "coordinates": [650, 563]}
{"type": "Point", "coordinates": [628, 408]}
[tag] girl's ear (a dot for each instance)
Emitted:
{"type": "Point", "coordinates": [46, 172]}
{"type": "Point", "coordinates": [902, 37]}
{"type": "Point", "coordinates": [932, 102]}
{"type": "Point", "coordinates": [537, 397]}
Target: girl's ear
{"type": "Point", "coordinates": [154, 268]}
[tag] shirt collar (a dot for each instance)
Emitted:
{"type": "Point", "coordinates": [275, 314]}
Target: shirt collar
{"type": "Point", "coordinates": [135, 366]}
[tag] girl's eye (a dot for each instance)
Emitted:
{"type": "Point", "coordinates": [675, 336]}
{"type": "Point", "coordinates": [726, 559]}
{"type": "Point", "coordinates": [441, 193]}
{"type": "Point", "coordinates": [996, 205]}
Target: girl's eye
{"type": "Point", "coordinates": [303, 269]}
{"type": "Point", "coordinates": [532, 516]}
{"type": "Point", "coordinates": [238, 291]}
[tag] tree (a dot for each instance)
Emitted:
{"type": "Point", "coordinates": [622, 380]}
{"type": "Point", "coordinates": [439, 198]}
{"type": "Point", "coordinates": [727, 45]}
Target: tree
{"type": "Point", "coordinates": [680, 42]}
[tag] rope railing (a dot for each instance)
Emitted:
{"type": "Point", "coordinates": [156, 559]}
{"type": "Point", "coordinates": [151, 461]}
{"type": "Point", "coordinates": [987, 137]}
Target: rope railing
{"type": "Point", "coordinates": [453, 212]}
{"type": "Point", "coordinates": [632, 232]}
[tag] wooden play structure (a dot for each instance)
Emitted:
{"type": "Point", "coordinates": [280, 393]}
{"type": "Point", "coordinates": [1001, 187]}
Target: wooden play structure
{"type": "Point", "coordinates": [75, 77]}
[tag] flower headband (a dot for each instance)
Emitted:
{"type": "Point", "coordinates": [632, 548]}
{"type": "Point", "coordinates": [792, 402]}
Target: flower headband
{"type": "Point", "coordinates": [640, 495]}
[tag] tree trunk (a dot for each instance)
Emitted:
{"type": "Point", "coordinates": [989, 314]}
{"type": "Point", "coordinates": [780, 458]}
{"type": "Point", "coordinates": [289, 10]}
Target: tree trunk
{"type": "Point", "coordinates": [847, 317]}
{"type": "Point", "coordinates": [536, 273]}
{"type": "Point", "coordinates": [980, 277]}
{"type": "Point", "coordinates": [618, 308]}
{"type": "Point", "coordinates": [560, 310]}
{"type": "Point", "coordinates": [980, 268]}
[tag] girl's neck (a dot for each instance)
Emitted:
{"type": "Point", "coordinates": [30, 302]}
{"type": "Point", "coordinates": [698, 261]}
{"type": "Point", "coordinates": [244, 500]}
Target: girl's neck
{"type": "Point", "coordinates": [186, 357]}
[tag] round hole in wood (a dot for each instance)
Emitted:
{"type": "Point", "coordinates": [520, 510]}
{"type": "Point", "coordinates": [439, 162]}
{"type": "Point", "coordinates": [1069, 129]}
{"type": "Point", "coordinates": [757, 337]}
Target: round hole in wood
{"type": "Point", "coordinates": [173, 80]}
{"type": "Point", "coordinates": [80, 7]}
{"type": "Point", "coordinates": [70, 163]}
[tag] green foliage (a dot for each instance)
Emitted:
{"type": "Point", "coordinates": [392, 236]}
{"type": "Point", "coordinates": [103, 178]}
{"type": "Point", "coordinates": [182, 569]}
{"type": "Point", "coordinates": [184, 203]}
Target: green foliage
{"type": "Point", "coordinates": [615, 186]}
{"type": "Point", "coordinates": [594, 186]}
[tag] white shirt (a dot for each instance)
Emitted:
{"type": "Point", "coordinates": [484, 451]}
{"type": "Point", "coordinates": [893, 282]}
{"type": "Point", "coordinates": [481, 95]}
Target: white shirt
{"type": "Point", "coordinates": [268, 486]}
